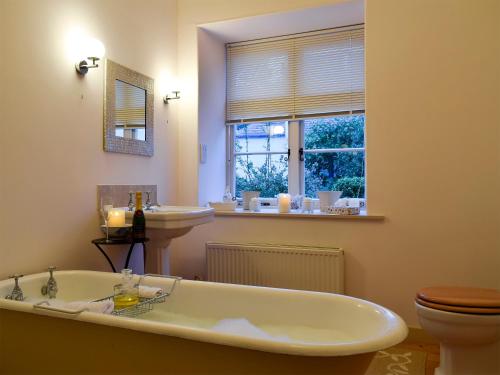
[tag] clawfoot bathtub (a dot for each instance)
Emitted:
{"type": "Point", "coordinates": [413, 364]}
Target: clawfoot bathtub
{"type": "Point", "coordinates": [202, 328]}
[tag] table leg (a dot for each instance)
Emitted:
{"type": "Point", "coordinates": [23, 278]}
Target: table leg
{"type": "Point", "coordinates": [129, 254]}
{"type": "Point", "coordinates": [106, 256]}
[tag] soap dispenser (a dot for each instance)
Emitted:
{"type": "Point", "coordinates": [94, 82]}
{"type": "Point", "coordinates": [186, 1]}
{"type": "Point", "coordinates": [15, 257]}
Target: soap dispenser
{"type": "Point", "coordinates": [126, 294]}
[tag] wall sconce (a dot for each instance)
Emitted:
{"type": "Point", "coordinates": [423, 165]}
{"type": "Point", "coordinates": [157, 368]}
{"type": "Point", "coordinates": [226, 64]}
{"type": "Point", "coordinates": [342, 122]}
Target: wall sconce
{"type": "Point", "coordinates": [166, 98]}
{"type": "Point", "coordinates": [92, 49]}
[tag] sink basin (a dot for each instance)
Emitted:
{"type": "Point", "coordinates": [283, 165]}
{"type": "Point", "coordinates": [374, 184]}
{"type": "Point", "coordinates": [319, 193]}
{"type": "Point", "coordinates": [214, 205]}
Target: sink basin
{"type": "Point", "coordinates": [175, 217]}
{"type": "Point", "coordinates": [164, 223]}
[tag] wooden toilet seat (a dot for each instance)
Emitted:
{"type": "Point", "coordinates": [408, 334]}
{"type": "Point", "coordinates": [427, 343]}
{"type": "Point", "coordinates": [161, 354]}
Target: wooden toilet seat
{"type": "Point", "coordinates": [460, 299]}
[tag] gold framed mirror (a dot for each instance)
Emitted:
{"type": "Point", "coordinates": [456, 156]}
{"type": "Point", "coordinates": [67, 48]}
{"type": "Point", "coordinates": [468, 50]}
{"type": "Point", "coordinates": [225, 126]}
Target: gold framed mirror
{"type": "Point", "coordinates": [128, 111]}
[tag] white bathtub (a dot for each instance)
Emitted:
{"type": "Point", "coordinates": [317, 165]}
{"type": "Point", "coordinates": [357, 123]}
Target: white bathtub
{"type": "Point", "coordinates": [295, 331]}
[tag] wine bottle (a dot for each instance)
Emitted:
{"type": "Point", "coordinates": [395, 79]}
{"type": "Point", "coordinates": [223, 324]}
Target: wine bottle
{"type": "Point", "coordinates": [139, 221]}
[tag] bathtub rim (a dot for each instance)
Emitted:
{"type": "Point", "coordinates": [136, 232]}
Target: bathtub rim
{"type": "Point", "coordinates": [395, 331]}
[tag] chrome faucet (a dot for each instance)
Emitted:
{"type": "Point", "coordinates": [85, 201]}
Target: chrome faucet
{"type": "Point", "coordinates": [131, 201]}
{"type": "Point", "coordinates": [50, 288]}
{"type": "Point", "coordinates": [17, 293]}
{"type": "Point", "coordinates": [148, 201]}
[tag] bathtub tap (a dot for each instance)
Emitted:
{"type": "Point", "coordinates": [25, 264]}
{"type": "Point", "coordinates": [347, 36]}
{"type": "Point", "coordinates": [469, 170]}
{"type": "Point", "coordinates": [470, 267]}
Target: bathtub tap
{"type": "Point", "coordinates": [131, 201]}
{"type": "Point", "coordinates": [50, 288]}
{"type": "Point", "coordinates": [17, 293]}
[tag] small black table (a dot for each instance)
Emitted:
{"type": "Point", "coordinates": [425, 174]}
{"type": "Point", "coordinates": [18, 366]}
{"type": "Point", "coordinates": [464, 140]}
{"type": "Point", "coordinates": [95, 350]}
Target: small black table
{"type": "Point", "coordinates": [121, 241]}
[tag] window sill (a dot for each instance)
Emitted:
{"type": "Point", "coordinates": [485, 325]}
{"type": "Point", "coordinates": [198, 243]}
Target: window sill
{"type": "Point", "coordinates": [297, 214]}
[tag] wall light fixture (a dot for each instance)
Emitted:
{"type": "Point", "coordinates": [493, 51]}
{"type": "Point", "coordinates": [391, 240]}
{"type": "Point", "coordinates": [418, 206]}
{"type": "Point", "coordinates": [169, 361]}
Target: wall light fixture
{"type": "Point", "coordinates": [166, 98]}
{"type": "Point", "coordinates": [91, 49]}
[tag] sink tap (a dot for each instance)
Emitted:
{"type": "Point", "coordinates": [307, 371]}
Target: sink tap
{"type": "Point", "coordinates": [148, 201]}
{"type": "Point", "coordinates": [131, 201]}
{"type": "Point", "coordinates": [50, 288]}
{"type": "Point", "coordinates": [17, 293]}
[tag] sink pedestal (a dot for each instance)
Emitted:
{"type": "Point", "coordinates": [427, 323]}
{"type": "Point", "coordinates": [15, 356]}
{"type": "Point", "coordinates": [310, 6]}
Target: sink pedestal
{"type": "Point", "coordinates": [165, 223]}
{"type": "Point", "coordinates": [158, 257]}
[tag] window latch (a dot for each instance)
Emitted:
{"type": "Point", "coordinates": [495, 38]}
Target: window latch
{"type": "Point", "coordinates": [288, 155]}
{"type": "Point", "coordinates": [301, 154]}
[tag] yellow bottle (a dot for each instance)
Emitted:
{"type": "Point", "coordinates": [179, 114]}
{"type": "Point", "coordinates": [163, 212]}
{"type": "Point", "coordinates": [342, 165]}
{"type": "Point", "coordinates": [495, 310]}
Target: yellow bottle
{"type": "Point", "coordinates": [125, 300]}
{"type": "Point", "coordinates": [127, 293]}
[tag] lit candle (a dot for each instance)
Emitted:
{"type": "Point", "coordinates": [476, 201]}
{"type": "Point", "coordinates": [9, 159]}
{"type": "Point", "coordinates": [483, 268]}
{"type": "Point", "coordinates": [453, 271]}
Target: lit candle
{"type": "Point", "coordinates": [116, 218]}
{"type": "Point", "coordinates": [283, 203]}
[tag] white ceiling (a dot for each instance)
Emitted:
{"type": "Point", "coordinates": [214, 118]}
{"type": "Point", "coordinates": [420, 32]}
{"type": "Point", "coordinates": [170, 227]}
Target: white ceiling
{"type": "Point", "coordinates": [297, 21]}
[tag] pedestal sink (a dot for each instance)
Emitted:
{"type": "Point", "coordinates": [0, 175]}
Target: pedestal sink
{"type": "Point", "coordinates": [164, 223]}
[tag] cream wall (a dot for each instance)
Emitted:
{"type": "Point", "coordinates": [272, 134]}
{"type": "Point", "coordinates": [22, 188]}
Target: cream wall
{"type": "Point", "coordinates": [51, 152]}
{"type": "Point", "coordinates": [211, 108]}
{"type": "Point", "coordinates": [433, 160]}
{"type": "Point", "coordinates": [192, 13]}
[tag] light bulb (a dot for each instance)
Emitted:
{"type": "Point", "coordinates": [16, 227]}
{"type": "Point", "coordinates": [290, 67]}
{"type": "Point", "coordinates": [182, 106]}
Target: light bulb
{"type": "Point", "coordinates": [93, 48]}
{"type": "Point", "coordinates": [174, 84]}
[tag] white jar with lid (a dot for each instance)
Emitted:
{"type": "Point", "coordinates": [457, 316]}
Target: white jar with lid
{"type": "Point", "coordinates": [254, 204]}
{"type": "Point", "coordinates": [307, 205]}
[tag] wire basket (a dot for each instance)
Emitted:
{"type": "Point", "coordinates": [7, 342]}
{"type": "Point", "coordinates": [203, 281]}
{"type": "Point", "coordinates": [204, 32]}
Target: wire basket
{"type": "Point", "coordinates": [145, 304]}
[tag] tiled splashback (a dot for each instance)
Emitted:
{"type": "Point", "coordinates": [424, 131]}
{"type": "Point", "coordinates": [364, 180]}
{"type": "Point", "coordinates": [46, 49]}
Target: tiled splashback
{"type": "Point", "coordinates": [117, 195]}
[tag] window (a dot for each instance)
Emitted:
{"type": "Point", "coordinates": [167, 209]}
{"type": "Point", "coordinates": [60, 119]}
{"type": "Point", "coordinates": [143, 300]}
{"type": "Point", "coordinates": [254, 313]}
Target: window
{"type": "Point", "coordinates": [261, 158]}
{"type": "Point", "coordinates": [330, 156]}
{"type": "Point", "coordinates": [295, 114]}
{"type": "Point", "coordinates": [334, 155]}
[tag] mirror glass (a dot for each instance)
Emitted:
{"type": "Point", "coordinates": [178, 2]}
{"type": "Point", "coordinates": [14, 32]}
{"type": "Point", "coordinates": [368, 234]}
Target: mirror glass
{"type": "Point", "coordinates": [130, 111]}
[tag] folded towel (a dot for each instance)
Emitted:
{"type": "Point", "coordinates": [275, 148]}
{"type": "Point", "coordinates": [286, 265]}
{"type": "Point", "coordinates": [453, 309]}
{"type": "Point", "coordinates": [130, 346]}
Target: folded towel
{"type": "Point", "coordinates": [102, 307]}
{"type": "Point", "coordinates": [149, 291]}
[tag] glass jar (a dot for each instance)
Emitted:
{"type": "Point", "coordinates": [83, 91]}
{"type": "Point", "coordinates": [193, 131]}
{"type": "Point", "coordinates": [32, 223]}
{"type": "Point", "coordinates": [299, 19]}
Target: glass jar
{"type": "Point", "coordinates": [126, 294]}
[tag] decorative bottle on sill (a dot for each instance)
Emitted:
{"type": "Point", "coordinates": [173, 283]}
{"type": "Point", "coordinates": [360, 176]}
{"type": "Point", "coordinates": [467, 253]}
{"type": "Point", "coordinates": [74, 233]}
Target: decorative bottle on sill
{"type": "Point", "coordinates": [139, 221]}
{"type": "Point", "coordinates": [228, 197]}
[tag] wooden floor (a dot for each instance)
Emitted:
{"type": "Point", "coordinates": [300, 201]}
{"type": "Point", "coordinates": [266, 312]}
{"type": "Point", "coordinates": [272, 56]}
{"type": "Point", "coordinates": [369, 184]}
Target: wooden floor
{"type": "Point", "coordinates": [432, 350]}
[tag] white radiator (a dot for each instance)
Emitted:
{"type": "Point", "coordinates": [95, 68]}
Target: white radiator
{"type": "Point", "coordinates": [279, 266]}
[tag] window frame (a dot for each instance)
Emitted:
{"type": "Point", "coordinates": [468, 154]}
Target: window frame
{"type": "Point", "coordinates": [330, 150]}
{"type": "Point", "coordinates": [231, 159]}
{"type": "Point", "coordinates": [296, 164]}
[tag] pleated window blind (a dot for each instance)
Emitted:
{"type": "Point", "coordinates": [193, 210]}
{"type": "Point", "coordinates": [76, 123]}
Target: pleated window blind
{"type": "Point", "coordinates": [299, 76]}
{"type": "Point", "coordinates": [130, 106]}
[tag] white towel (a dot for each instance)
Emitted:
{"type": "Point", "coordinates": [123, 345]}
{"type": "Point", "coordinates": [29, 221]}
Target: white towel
{"type": "Point", "coordinates": [102, 307]}
{"type": "Point", "coordinates": [149, 291]}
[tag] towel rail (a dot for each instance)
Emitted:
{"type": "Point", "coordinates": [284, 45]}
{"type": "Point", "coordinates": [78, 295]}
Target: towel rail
{"type": "Point", "coordinates": [144, 305]}
{"type": "Point", "coordinates": [40, 306]}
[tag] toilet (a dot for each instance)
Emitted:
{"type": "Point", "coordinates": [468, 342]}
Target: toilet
{"type": "Point", "coordinates": [466, 322]}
